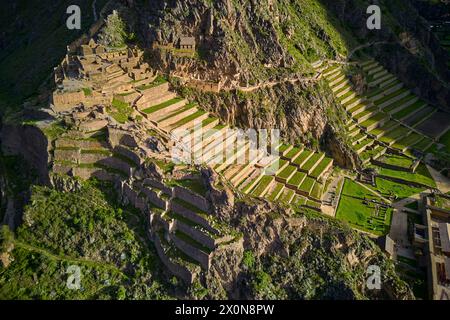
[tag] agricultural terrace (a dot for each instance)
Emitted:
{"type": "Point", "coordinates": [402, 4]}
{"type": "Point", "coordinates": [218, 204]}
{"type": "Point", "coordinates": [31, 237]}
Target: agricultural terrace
{"type": "Point", "coordinates": [363, 210]}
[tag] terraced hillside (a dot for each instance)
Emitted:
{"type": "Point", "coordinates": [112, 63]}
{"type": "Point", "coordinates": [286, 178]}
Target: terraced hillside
{"type": "Point", "coordinates": [386, 116]}
{"type": "Point", "coordinates": [289, 174]}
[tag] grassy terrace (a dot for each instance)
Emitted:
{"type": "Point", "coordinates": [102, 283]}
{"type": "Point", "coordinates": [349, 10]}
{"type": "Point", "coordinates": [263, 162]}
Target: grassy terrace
{"type": "Point", "coordinates": [287, 196]}
{"type": "Point", "coordinates": [189, 118]}
{"type": "Point", "coordinates": [162, 105]}
{"type": "Point", "coordinates": [287, 172]}
{"type": "Point", "coordinates": [423, 145]}
{"type": "Point", "coordinates": [185, 108]}
{"type": "Point", "coordinates": [196, 186]}
{"type": "Point", "coordinates": [368, 154]}
{"type": "Point", "coordinates": [302, 157]}
{"type": "Point", "coordinates": [398, 103]}
{"type": "Point", "coordinates": [397, 160]}
{"type": "Point", "coordinates": [276, 191]}
{"type": "Point", "coordinates": [408, 110]}
{"type": "Point", "coordinates": [297, 179]}
{"type": "Point", "coordinates": [262, 186]}
{"type": "Point", "coordinates": [365, 113]}
{"type": "Point", "coordinates": [283, 148]}
{"type": "Point", "coordinates": [181, 235]}
{"type": "Point", "coordinates": [158, 81]}
{"type": "Point", "coordinates": [374, 119]}
{"type": "Point", "coordinates": [321, 167]}
{"type": "Point", "coordinates": [312, 161]}
{"type": "Point", "coordinates": [190, 223]}
{"type": "Point", "coordinates": [317, 191]}
{"type": "Point", "coordinates": [295, 152]}
{"type": "Point", "coordinates": [385, 128]}
{"type": "Point", "coordinates": [395, 134]}
{"type": "Point", "coordinates": [390, 96]}
{"type": "Point", "coordinates": [122, 111]}
{"type": "Point", "coordinates": [356, 209]}
{"type": "Point", "coordinates": [307, 185]}
{"type": "Point", "coordinates": [422, 175]}
{"type": "Point", "coordinates": [393, 189]}
{"type": "Point", "coordinates": [408, 141]}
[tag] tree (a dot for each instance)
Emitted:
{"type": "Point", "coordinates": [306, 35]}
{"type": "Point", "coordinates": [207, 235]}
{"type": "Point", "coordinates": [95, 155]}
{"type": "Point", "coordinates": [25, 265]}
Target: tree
{"type": "Point", "coordinates": [113, 33]}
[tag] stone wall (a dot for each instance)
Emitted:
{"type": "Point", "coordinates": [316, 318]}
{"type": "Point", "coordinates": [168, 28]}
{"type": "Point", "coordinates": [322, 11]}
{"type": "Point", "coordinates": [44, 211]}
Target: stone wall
{"type": "Point", "coordinates": [82, 144]}
{"type": "Point", "coordinates": [188, 214]}
{"type": "Point", "coordinates": [192, 198]}
{"type": "Point", "coordinates": [117, 164]}
{"type": "Point", "coordinates": [176, 269]}
{"type": "Point", "coordinates": [120, 137]}
{"type": "Point", "coordinates": [154, 199]}
{"type": "Point", "coordinates": [128, 154]}
{"type": "Point", "coordinates": [158, 185]}
{"type": "Point", "coordinates": [201, 257]}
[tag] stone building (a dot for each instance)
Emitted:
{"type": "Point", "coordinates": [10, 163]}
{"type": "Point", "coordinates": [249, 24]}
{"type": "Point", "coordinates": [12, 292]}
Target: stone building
{"type": "Point", "coordinates": [187, 43]}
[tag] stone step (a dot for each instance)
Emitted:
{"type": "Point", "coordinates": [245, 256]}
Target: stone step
{"type": "Point", "coordinates": [332, 69]}
{"type": "Point", "coordinates": [388, 91]}
{"type": "Point", "coordinates": [252, 180]}
{"type": "Point", "coordinates": [379, 74]}
{"type": "Point", "coordinates": [351, 104]}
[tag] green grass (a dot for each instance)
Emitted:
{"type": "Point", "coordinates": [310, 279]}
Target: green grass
{"type": "Point", "coordinates": [442, 202]}
{"type": "Point", "coordinates": [360, 215]}
{"type": "Point", "coordinates": [196, 186]}
{"type": "Point", "coordinates": [87, 91]}
{"type": "Point", "coordinates": [262, 185]}
{"type": "Point", "coordinates": [390, 96]}
{"type": "Point", "coordinates": [188, 119]}
{"type": "Point", "coordinates": [321, 167]}
{"type": "Point", "coordinates": [377, 117]}
{"type": "Point", "coordinates": [122, 112]}
{"type": "Point", "coordinates": [275, 192]}
{"type": "Point", "coordinates": [183, 109]}
{"type": "Point", "coordinates": [398, 103]}
{"type": "Point", "coordinates": [397, 160]}
{"type": "Point", "coordinates": [312, 161]}
{"type": "Point", "coordinates": [395, 134]}
{"type": "Point", "coordinates": [297, 179]}
{"type": "Point", "coordinates": [401, 191]}
{"type": "Point", "coordinates": [162, 105]}
{"type": "Point", "coordinates": [307, 185]}
{"type": "Point", "coordinates": [293, 153]}
{"type": "Point", "coordinates": [410, 140]}
{"type": "Point", "coordinates": [407, 111]}
{"type": "Point", "coordinates": [422, 175]}
{"type": "Point", "coordinates": [302, 157]}
{"type": "Point", "coordinates": [159, 80]}
{"type": "Point", "coordinates": [183, 236]}
{"type": "Point", "coordinates": [287, 195]}
{"type": "Point", "coordinates": [287, 172]}
{"type": "Point", "coordinates": [317, 191]}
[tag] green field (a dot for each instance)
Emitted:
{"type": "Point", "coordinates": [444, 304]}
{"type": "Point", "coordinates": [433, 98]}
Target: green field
{"type": "Point", "coordinates": [389, 188]}
{"type": "Point", "coordinates": [445, 140]}
{"type": "Point", "coordinates": [422, 175]}
{"type": "Point", "coordinates": [364, 216]}
{"type": "Point", "coordinates": [397, 160]}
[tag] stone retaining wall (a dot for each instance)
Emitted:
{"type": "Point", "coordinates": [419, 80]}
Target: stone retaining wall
{"type": "Point", "coordinates": [153, 198]}
{"type": "Point", "coordinates": [117, 164]}
{"type": "Point", "coordinates": [191, 197]}
{"type": "Point", "coordinates": [90, 158]}
{"type": "Point", "coordinates": [196, 254]}
{"type": "Point", "coordinates": [128, 154]}
{"type": "Point", "coordinates": [82, 144]}
{"type": "Point", "coordinates": [66, 155]}
{"type": "Point", "coordinates": [120, 137]}
{"type": "Point", "coordinates": [176, 269]}
{"type": "Point", "coordinates": [158, 185]}
{"type": "Point", "coordinates": [188, 214]}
